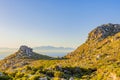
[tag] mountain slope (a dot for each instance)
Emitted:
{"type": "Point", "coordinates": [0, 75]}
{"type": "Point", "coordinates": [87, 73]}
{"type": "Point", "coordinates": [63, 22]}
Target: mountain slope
{"type": "Point", "coordinates": [100, 51]}
{"type": "Point", "coordinates": [96, 59]}
{"type": "Point", "coordinates": [22, 57]}
{"type": "Point", "coordinates": [99, 42]}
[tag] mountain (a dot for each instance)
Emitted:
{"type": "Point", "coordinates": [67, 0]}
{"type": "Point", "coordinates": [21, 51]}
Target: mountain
{"type": "Point", "coordinates": [96, 59]}
{"type": "Point", "coordinates": [40, 48]}
{"type": "Point", "coordinates": [52, 48]}
{"type": "Point", "coordinates": [21, 58]}
{"type": "Point", "coordinates": [46, 50]}
{"type": "Point", "coordinates": [101, 51]}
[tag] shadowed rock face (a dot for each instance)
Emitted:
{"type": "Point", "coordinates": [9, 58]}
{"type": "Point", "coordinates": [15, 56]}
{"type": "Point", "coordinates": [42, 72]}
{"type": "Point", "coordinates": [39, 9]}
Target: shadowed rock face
{"type": "Point", "coordinates": [104, 31]}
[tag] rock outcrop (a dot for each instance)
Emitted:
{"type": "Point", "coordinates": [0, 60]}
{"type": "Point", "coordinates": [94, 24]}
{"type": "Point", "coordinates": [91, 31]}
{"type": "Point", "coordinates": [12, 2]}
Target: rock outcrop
{"type": "Point", "coordinates": [103, 31]}
{"type": "Point", "coordinates": [26, 50]}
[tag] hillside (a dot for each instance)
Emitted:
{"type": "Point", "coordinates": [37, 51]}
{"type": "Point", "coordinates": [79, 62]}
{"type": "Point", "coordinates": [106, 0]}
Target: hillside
{"type": "Point", "coordinates": [96, 59]}
{"type": "Point", "coordinates": [21, 58]}
{"type": "Point", "coordinates": [100, 51]}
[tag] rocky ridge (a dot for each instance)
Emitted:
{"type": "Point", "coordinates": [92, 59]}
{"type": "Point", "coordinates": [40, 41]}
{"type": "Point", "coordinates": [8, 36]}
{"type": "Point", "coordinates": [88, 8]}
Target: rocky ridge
{"type": "Point", "coordinates": [103, 31]}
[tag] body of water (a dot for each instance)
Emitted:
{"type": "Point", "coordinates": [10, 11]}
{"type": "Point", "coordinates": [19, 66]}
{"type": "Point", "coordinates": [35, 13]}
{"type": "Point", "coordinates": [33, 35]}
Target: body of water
{"type": "Point", "coordinates": [3, 55]}
{"type": "Point", "coordinates": [52, 54]}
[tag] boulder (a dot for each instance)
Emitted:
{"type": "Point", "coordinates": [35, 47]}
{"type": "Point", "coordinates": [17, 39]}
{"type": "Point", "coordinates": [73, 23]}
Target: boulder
{"type": "Point", "coordinates": [71, 78]}
{"type": "Point", "coordinates": [1, 74]}
{"type": "Point", "coordinates": [44, 78]}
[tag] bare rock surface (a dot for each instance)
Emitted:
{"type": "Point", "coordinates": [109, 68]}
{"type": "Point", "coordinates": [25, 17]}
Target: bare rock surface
{"type": "Point", "coordinates": [103, 31]}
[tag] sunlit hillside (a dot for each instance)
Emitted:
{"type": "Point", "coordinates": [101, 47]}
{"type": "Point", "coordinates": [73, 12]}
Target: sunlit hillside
{"type": "Point", "coordinates": [96, 59]}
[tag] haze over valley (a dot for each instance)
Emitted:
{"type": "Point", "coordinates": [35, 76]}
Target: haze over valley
{"type": "Point", "coordinates": [46, 50]}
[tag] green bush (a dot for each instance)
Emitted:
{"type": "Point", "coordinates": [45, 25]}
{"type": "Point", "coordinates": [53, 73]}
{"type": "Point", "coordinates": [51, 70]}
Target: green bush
{"type": "Point", "coordinates": [50, 73]}
{"type": "Point", "coordinates": [56, 78]}
{"type": "Point", "coordinates": [4, 78]}
{"type": "Point", "coordinates": [28, 68]}
{"type": "Point", "coordinates": [34, 77]}
{"type": "Point", "coordinates": [58, 74]}
{"type": "Point", "coordinates": [19, 75]}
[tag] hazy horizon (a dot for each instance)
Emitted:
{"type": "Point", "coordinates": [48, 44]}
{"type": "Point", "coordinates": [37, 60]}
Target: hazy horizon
{"type": "Point", "coordinates": [53, 22]}
{"type": "Point", "coordinates": [45, 50]}
{"type": "Point", "coordinates": [35, 47]}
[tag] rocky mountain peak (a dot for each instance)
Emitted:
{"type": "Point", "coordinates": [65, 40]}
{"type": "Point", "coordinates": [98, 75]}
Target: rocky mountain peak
{"type": "Point", "coordinates": [103, 31]}
{"type": "Point", "coordinates": [25, 49]}
{"type": "Point", "coordinates": [25, 52]}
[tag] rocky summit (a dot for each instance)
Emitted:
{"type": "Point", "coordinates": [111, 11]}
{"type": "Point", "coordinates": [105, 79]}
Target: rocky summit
{"type": "Point", "coordinates": [26, 50]}
{"type": "Point", "coordinates": [104, 31]}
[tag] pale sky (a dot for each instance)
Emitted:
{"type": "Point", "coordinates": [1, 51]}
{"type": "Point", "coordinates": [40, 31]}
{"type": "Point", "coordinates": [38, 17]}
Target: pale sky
{"type": "Point", "coordinates": [53, 22]}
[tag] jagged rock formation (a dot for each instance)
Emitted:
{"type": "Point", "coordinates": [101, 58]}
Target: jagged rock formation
{"type": "Point", "coordinates": [26, 50]}
{"type": "Point", "coordinates": [104, 31]}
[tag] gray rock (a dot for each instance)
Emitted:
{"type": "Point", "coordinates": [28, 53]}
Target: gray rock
{"type": "Point", "coordinates": [26, 50]}
{"type": "Point", "coordinates": [44, 78]}
{"type": "Point", "coordinates": [71, 78]}
{"type": "Point", "coordinates": [98, 57]}
{"type": "Point", "coordinates": [104, 31]}
{"type": "Point", "coordinates": [1, 74]}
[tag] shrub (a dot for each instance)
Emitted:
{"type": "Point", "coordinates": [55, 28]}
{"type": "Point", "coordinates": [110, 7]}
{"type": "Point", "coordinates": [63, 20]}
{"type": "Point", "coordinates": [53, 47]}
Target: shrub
{"type": "Point", "coordinates": [19, 75]}
{"type": "Point", "coordinates": [58, 74]}
{"type": "Point", "coordinates": [34, 77]}
{"type": "Point", "coordinates": [50, 73]}
{"type": "Point", "coordinates": [56, 78]}
{"type": "Point", "coordinates": [4, 78]}
{"type": "Point", "coordinates": [28, 68]}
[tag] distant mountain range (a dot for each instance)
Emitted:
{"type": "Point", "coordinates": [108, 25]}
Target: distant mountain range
{"type": "Point", "coordinates": [52, 48]}
{"type": "Point", "coordinates": [46, 50]}
{"type": "Point", "coordinates": [43, 48]}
